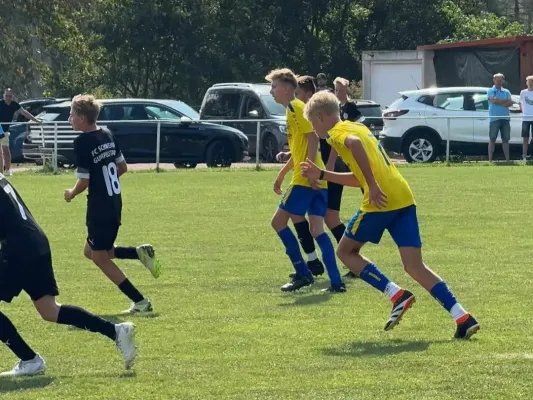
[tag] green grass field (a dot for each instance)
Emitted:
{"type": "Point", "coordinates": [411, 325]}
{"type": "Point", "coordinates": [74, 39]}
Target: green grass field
{"type": "Point", "coordinates": [223, 330]}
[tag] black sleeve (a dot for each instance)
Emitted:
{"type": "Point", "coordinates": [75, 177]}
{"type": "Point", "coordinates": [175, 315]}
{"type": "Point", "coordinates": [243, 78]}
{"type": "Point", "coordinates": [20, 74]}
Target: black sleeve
{"type": "Point", "coordinates": [83, 159]}
{"type": "Point", "coordinates": [352, 111]}
{"type": "Point", "coordinates": [16, 106]}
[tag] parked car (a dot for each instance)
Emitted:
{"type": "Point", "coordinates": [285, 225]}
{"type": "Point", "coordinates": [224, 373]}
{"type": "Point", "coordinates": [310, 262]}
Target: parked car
{"type": "Point", "coordinates": [411, 126]}
{"type": "Point", "coordinates": [35, 105]}
{"type": "Point", "coordinates": [372, 113]}
{"type": "Point", "coordinates": [240, 102]}
{"type": "Point", "coordinates": [183, 141]}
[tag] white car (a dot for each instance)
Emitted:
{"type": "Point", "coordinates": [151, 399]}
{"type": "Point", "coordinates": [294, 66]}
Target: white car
{"type": "Point", "coordinates": [412, 127]}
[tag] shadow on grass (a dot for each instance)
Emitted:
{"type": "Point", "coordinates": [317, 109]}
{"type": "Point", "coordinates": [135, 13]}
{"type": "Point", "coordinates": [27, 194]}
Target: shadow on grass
{"type": "Point", "coordinates": [376, 349]}
{"type": "Point", "coordinates": [308, 300]}
{"type": "Point", "coordinates": [17, 384]}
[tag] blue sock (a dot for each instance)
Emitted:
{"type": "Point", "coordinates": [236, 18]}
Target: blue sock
{"type": "Point", "coordinates": [292, 248]}
{"type": "Point", "coordinates": [444, 296]}
{"type": "Point", "coordinates": [374, 277]}
{"type": "Point", "coordinates": [328, 255]}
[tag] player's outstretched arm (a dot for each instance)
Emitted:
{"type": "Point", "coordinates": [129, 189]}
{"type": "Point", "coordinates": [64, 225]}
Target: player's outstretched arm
{"type": "Point", "coordinates": [311, 171]}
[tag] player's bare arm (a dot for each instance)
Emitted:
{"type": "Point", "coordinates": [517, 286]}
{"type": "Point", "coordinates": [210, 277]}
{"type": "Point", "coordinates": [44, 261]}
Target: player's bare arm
{"type": "Point", "coordinates": [376, 195]}
{"type": "Point", "coordinates": [122, 168]}
{"type": "Point", "coordinates": [281, 175]}
{"type": "Point", "coordinates": [311, 171]}
{"type": "Point", "coordinates": [81, 185]}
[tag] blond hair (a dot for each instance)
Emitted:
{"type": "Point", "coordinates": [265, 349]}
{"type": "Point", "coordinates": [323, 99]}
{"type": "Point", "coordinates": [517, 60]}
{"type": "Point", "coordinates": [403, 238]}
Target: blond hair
{"type": "Point", "coordinates": [529, 78]}
{"type": "Point", "coordinates": [321, 102]}
{"type": "Point", "coordinates": [86, 106]}
{"type": "Point", "coordinates": [341, 81]}
{"type": "Point", "coordinates": [498, 75]}
{"type": "Point", "coordinates": [283, 75]}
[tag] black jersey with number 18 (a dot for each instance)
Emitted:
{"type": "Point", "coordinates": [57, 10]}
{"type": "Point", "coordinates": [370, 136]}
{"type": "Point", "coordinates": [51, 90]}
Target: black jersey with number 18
{"type": "Point", "coordinates": [97, 155]}
{"type": "Point", "coordinates": [22, 237]}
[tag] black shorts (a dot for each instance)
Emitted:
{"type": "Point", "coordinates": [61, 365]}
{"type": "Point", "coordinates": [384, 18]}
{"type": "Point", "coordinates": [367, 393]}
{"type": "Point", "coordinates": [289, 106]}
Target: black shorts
{"type": "Point", "coordinates": [527, 127]}
{"type": "Point", "coordinates": [334, 189]}
{"type": "Point", "coordinates": [35, 277]}
{"type": "Point", "coordinates": [102, 236]}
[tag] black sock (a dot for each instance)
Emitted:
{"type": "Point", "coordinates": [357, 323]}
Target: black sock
{"type": "Point", "coordinates": [305, 237]}
{"type": "Point", "coordinates": [129, 290]}
{"type": "Point", "coordinates": [338, 232]}
{"type": "Point", "coordinates": [128, 253]}
{"type": "Point", "coordinates": [80, 318]}
{"type": "Point", "coordinates": [12, 339]}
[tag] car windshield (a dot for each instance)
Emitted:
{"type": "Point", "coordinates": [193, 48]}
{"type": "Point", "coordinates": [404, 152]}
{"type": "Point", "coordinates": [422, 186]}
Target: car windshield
{"type": "Point", "coordinates": [273, 107]}
{"type": "Point", "coordinates": [182, 108]}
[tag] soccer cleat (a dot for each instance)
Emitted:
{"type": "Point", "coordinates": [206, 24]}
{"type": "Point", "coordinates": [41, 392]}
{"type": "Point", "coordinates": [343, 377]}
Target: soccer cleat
{"type": "Point", "coordinates": [8, 173]}
{"type": "Point", "coordinates": [125, 342]}
{"type": "Point", "coordinates": [350, 275]}
{"type": "Point", "coordinates": [404, 301]}
{"type": "Point", "coordinates": [466, 328]}
{"type": "Point", "coordinates": [297, 282]}
{"type": "Point", "coordinates": [316, 267]}
{"type": "Point", "coordinates": [143, 306]}
{"type": "Point", "coordinates": [146, 255]}
{"type": "Point", "coordinates": [27, 368]}
{"type": "Point", "coordinates": [335, 289]}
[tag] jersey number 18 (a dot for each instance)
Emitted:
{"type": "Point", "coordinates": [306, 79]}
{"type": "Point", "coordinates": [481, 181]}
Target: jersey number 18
{"type": "Point", "coordinates": [112, 183]}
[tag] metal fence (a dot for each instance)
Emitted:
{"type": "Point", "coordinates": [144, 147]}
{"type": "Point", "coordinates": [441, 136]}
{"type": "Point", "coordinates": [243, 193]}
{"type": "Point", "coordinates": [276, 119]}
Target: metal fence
{"type": "Point", "coordinates": [47, 136]}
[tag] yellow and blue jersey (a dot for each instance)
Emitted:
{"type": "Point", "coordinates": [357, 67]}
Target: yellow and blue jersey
{"type": "Point", "coordinates": [387, 176]}
{"type": "Point", "coordinates": [298, 129]}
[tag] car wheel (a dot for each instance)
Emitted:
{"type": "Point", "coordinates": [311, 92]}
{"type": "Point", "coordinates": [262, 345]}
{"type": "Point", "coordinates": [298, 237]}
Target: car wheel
{"type": "Point", "coordinates": [421, 147]}
{"type": "Point", "coordinates": [270, 148]}
{"type": "Point", "coordinates": [219, 154]}
{"type": "Point", "coordinates": [185, 165]}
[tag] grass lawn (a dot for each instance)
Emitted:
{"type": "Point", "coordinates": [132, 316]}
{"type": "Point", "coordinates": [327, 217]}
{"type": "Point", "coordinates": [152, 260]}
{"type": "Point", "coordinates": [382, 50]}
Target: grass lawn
{"type": "Point", "coordinates": [222, 328]}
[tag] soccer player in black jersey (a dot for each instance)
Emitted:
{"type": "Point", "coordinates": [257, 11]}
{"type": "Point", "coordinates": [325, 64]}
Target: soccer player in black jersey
{"type": "Point", "coordinates": [26, 264]}
{"type": "Point", "coordinates": [100, 164]}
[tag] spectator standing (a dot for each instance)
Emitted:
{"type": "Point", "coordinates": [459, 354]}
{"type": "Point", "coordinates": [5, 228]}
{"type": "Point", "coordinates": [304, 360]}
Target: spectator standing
{"type": "Point", "coordinates": [322, 83]}
{"type": "Point", "coordinates": [499, 102]}
{"type": "Point", "coordinates": [526, 106]}
{"type": "Point", "coordinates": [8, 108]}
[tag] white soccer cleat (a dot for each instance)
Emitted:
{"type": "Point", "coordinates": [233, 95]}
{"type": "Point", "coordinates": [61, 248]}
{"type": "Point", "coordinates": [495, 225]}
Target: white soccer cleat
{"type": "Point", "coordinates": [143, 306]}
{"type": "Point", "coordinates": [9, 173]}
{"type": "Point", "coordinates": [125, 342]}
{"type": "Point", "coordinates": [27, 368]}
{"type": "Point", "coordinates": [146, 254]}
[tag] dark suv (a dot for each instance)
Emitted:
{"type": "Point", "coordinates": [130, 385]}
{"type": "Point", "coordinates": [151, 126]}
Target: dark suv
{"type": "Point", "coordinates": [372, 114]}
{"type": "Point", "coordinates": [240, 102]}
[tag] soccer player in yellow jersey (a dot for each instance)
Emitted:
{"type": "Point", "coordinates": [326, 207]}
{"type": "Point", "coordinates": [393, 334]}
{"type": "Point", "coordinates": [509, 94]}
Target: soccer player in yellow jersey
{"type": "Point", "coordinates": [388, 204]}
{"type": "Point", "coordinates": [303, 196]}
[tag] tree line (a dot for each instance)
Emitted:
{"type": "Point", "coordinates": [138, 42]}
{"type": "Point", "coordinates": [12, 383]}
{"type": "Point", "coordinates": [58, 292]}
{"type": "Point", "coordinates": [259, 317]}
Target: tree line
{"type": "Point", "coordinates": [178, 48]}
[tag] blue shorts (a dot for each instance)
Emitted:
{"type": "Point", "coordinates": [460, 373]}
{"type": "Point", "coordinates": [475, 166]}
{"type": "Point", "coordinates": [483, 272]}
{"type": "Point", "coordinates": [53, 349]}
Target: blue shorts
{"type": "Point", "coordinates": [402, 225]}
{"type": "Point", "coordinates": [301, 200]}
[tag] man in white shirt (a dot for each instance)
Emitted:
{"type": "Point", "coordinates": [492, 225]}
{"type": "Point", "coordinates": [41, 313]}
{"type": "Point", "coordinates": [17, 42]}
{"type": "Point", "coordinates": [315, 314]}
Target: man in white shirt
{"type": "Point", "coordinates": [526, 106]}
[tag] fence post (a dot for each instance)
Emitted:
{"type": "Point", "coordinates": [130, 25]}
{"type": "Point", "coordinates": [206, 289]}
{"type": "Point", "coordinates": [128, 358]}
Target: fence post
{"type": "Point", "coordinates": [258, 145]}
{"type": "Point", "coordinates": [158, 144]}
{"type": "Point", "coordinates": [448, 142]}
{"type": "Point", "coordinates": [54, 157]}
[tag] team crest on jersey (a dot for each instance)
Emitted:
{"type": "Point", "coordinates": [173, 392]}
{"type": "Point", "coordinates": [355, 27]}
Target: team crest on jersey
{"type": "Point", "coordinates": [345, 115]}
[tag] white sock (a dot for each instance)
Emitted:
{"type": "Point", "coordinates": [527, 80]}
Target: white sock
{"type": "Point", "coordinates": [392, 289]}
{"type": "Point", "coordinates": [458, 311]}
{"type": "Point", "coordinates": [312, 256]}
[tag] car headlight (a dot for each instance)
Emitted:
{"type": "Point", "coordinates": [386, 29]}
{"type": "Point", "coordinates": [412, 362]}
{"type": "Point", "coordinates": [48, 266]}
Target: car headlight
{"type": "Point", "coordinates": [283, 129]}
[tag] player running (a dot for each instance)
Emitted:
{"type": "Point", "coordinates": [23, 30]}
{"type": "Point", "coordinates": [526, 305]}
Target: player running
{"type": "Point", "coordinates": [100, 164]}
{"type": "Point", "coordinates": [26, 264]}
{"type": "Point", "coordinates": [302, 197]}
{"type": "Point", "coordinates": [388, 204]}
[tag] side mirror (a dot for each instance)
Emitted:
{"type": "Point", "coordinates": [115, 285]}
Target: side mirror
{"type": "Point", "coordinates": [254, 114]}
{"type": "Point", "coordinates": [185, 120]}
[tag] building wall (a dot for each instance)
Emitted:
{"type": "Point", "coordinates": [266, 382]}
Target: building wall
{"type": "Point", "coordinates": [385, 73]}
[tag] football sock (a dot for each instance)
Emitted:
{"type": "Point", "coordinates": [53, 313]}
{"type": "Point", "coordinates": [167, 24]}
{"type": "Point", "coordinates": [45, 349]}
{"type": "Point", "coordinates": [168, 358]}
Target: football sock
{"type": "Point", "coordinates": [445, 297]}
{"type": "Point", "coordinates": [306, 239]}
{"type": "Point", "coordinates": [328, 256]}
{"type": "Point", "coordinates": [80, 318]}
{"type": "Point", "coordinates": [129, 253]}
{"type": "Point", "coordinates": [374, 277]}
{"type": "Point", "coordinates": [12, 339]}
{"type": "Point", "coordinates": [129, 290]}
{"type": "Point", "coordinates": [338, 232]}
{"type": "Point", "coordinates": [292, 249]}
